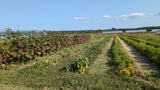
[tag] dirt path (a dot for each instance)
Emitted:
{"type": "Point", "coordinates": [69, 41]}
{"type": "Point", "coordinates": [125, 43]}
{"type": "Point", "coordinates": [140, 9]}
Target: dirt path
{"type": "Point", "coordinates": [143, 63]}
{"type": "Point", "coordinates": [100, 65]}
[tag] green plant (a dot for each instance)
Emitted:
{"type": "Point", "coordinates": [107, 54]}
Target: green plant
{"type": "Point", "coordinates": [87, 59]}
{"type": "Point", "coordinates": [149, 50]}
{"type": "Point", "coordinates": [23, 49]}
{"type": "Point", "coordinates": [121, 60]}
{"type": "Point", "coordinates": [65, 52]}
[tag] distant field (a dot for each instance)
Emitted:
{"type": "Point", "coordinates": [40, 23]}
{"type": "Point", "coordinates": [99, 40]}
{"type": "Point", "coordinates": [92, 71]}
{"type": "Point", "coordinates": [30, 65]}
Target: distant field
{"type": "Point", "coordinates": [81, 61]}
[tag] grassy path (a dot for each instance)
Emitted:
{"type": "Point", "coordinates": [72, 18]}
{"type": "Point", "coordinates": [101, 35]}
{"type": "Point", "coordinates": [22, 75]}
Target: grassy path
{"type": "Point", "coordinates": [100, 65]}
{"type": "Point", "coordinates": [143, 63]}
{"type": "Point", "coordinates": [146, 72]}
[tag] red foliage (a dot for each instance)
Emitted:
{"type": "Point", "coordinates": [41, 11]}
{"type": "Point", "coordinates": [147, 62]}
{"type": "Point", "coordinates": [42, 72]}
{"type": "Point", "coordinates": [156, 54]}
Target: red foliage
{"type": "Point", "coordinates": [38, 46]}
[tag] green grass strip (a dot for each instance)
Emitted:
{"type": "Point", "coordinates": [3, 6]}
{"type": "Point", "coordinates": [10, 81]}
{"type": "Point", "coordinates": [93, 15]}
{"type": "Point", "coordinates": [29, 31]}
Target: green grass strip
{"type": "Point", "coordinates": [121, 61]}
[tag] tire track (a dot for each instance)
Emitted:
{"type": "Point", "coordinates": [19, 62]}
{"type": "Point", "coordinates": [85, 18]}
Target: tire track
{"type": "Point", "coordinates": [142, 62]}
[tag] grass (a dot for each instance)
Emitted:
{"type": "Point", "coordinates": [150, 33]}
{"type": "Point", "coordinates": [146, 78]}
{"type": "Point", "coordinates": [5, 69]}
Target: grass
{"type": "Point", "coordinates": [121, 60]}
{"type": "Point", "coordinates": [150, 36]}
{"type": "Point", "coordinates": [101, 63]}
{"type": "Point", "coordinates": [13, 87]}
{"type": "Point", "coordinates": [56, 77]}
{"type": "Point", "coordinates": [152, 78]}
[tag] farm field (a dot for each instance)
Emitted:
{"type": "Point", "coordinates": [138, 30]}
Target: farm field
{"type": "Point", "coordinates": [80, 62]}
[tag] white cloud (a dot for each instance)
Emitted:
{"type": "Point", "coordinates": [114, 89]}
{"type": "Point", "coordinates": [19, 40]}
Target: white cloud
{"type": "Point", "coordinates": [81, 18]}
{"type": "Point", "coordinates": [106, 16]}
{"type": "Point", "coordinates": [134, 15]}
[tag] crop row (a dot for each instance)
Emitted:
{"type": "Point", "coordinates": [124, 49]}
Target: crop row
{"type": "Point", "coordinates": [23, 49]}
{"type": "Point", "coordinates": [121, 61]}
{"type": "Point", "coordinates": [155, 44]}
{"type": "Point", "coordinates": [148, 50]}
{"type": "Point", "coordinates": [89, 57]}
{"type": "Point", "coordinates": [65, 52]}
{"type": "Point", "coordinates": [144, 36]}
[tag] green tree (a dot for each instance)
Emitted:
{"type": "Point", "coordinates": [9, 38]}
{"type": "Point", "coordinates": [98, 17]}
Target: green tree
{"type": "Point", "coordinates": [149, 29]}
{"type": "Point", "coordinates": [124, 30]}
{"type": "Point", "coordinates": [113, 29]}
{"type": "Point", "coordinates": [99, 31]}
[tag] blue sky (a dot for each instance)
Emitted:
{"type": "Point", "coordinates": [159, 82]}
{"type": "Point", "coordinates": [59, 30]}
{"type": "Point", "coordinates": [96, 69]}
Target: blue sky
{"type": "Point", "coordinates": [78, 14]}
